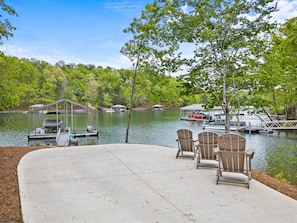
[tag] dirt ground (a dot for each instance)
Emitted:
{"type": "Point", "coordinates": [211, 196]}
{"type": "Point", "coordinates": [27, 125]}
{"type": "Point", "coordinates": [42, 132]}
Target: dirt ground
{"type": "Point", "coordinates": [10, 208]}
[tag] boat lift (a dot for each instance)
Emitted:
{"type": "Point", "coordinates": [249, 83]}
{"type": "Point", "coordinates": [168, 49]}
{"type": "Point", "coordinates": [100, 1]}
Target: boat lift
{"type": "Point", "coordinates": [61, 127]}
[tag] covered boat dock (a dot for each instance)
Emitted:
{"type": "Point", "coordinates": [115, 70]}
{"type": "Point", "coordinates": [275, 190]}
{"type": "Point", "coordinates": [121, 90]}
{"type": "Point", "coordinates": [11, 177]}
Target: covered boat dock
{"type": "Point", "coordinates": [196, 112]}
{"type": "Point", "coordinates": [59, 122]}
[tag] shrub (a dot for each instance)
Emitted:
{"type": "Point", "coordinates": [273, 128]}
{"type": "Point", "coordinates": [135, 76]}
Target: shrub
{"type": "Point", "coordinates": [282, 163]}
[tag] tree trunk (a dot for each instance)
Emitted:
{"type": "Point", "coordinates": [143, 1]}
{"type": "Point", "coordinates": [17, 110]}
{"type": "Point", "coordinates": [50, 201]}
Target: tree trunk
{"type": "Point", "coordinates": [225, 105]}
{"type": "Point", "coordinates": [131, 99]}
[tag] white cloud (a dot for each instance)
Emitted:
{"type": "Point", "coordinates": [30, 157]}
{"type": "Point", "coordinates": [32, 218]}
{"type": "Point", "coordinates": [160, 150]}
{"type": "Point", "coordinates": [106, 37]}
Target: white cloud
{"type": "Point", "coordinates": [118, 62]}
{"type": "Point", "coordinates": [105, 54]}
{"type": "Point", "coordinates": [40, 51]}
{"type": "Point", "coordinates": [287, 9]}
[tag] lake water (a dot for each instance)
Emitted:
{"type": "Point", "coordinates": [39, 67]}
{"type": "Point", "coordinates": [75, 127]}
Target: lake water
{"type": "Point", "coordinates": [147, 127]}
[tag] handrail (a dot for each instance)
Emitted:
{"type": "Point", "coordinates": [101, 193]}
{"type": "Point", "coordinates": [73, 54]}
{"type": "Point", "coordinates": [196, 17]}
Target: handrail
{"type": "Point", "coordinates": [282, 124]}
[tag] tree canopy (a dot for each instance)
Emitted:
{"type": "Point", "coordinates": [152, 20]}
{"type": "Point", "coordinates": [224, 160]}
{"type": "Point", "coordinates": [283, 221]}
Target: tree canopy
{"type": "Point", "coordinates": [226, 40]}
{"type": "Point", "coordinates": [277, 77]}
{"type": "Point", "coordinates": [6, 28]}
{"type": "Point", "coordinates": [25, 82]}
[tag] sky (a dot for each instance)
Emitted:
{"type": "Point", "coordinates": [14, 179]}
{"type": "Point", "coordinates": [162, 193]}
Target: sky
{"type": "Point", "coordinates": [83, 31]}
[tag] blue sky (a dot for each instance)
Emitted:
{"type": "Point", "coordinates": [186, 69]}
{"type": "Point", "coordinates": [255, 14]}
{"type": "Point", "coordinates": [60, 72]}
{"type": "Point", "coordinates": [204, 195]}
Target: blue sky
{"type": "Point", "coordinates": [82, 31]}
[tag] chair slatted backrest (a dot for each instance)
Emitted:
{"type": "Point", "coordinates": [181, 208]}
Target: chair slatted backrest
{"type": "Point", "coordinates": [232, 152]}
{"type": "Point", "coordinates": [185, 140]}
{"type": "Point", "coordinates": [207, 142]}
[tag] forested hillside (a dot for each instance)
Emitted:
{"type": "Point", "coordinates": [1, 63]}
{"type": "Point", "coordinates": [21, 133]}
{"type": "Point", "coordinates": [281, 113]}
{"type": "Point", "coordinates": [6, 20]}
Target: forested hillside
{"type": "Point", "coordinates": [25, 82]}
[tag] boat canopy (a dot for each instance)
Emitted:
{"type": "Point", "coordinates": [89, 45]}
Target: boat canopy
{"type": "Point", "coordinates": [32, 107]}
{"type": "Point", "coordinates": [55, 105]}
{"type": "Point", "coordinates": [118, 106]}
{"type": "Point", "coordinates": [194, 107]}
{"type": "Point", "coordinates": [198, 109]}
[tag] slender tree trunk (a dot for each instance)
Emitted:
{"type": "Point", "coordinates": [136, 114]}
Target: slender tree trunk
{"type": "Point", "coordinates": [238, 114]}
{"type": "Point", "coordinates": [275, 105]}
{"type": "Point", "coordinates": [227, 118]}
{"type": "Point", "coordinates": [131, 99]}
{"type": "Point", "coordinates": [265, 111]}
{"type": "Point", "coordinates": [225, 104]}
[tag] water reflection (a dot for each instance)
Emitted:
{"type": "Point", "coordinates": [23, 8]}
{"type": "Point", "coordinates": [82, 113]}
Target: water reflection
{"type": "Point", "coordinates": [147, 127]}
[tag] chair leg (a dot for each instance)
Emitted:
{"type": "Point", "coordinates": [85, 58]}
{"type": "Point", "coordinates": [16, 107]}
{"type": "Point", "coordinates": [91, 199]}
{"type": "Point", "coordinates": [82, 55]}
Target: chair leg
{"type": "Point", "coordinates": [218, 175]}
{"type": "Point", "coordinates": [198, 161]}
{"type": "Point", "coordinates": [194, 156]}
{"type": "Point", "coordinates": [177, 155]}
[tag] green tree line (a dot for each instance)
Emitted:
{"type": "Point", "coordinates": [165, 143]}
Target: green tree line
{"type": "Point", "coordinates": [25, 82]}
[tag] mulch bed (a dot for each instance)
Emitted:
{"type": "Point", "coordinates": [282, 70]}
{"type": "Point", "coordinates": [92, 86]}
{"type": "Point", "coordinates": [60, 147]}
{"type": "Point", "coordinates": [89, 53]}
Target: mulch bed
{"type": "Point", "coordinates": [10, 208]}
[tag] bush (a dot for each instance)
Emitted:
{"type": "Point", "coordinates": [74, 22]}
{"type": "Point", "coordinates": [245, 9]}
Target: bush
{"type": "Point", "coordinates": [282, 163]}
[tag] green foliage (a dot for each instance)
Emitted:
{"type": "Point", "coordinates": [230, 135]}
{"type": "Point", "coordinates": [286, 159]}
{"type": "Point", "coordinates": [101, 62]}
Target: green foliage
{"type": "Point", "coordinates": [282, 163]}
{"type": "Point", "coordinates": [281, 176]}
{"type": "Point", "coordinates": [111, 86]}
{"type": "Point", "coordinates": [25, 82]}
{"type": "Point", "coordinates": [226, 43]}
{"type": "Point", "coordinates": [6, 27]}
{"type": "Point", "coordinates": [9, 95]}
{"type": "Point", "coordinates": [27, 79]}
{"type": "Point", "coordinates": [276, 80]}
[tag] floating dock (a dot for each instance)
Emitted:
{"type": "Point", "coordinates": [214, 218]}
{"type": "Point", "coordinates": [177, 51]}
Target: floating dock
{"type": "Point", "coordinates": [54, 135]}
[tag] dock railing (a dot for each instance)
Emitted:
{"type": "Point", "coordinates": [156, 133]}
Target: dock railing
{"type": "Point", "coordinates": [282, 125]}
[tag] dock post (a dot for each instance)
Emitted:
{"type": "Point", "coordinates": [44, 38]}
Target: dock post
{"type": "Point", "coordinates": [250, 128]}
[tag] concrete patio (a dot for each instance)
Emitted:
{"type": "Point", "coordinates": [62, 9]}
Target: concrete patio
{"type": "Point", "coordinates": [137, 183]}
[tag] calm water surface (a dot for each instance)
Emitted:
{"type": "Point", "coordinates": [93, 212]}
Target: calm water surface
{"type": "Point", "coordinates": [147, 127]}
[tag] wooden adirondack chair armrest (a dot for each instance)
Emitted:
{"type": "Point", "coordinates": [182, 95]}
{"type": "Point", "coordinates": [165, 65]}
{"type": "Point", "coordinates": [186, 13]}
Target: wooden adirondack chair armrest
{"type": "Point", "coordinates": [195, 143]}
{"type": "Point", "coordinates": [216, 150]}
{"type": "Point", "coordinates": [250, 153]}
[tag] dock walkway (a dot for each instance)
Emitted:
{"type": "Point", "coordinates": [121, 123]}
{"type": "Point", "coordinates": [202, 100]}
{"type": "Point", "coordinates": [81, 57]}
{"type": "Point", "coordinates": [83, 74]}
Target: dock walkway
{"type": "Point", "coordinates": [282, 125]}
